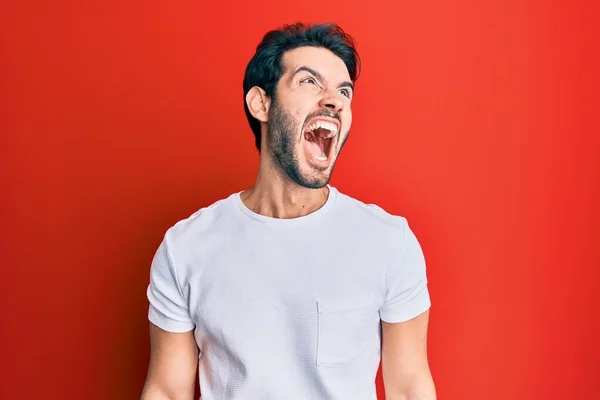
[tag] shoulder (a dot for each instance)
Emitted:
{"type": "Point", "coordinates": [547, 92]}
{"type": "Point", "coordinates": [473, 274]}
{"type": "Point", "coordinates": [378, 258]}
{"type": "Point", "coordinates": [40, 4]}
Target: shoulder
{"type": "Point", "coordinates": [195, 229]}
{"type": "Point", "coordinates": [371, 216]}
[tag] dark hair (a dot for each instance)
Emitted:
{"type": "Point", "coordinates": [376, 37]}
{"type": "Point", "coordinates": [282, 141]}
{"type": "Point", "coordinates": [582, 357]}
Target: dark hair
{"type": "Point", "coordinates": [264, 69]}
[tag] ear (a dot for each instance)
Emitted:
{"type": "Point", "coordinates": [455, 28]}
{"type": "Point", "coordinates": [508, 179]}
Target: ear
{"type": "Point", "coordinates": [258, 103]}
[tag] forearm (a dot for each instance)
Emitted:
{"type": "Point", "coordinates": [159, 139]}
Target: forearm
{"type": "Point", "coordinates": [155, 393]}
{"type": "Point", "coordinates": [419, 387]}
{"type": "Point", "coordinates": [413, 396]}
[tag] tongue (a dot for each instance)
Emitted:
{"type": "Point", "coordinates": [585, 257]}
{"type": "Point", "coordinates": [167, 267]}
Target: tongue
{"type": "Point", "coordinates": [315, 149]}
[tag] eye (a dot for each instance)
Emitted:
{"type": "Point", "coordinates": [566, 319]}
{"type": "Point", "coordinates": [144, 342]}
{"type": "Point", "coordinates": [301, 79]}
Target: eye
{"type": "Point", "coordinates": [345, 92]}
{"type": "Point", "coordinates": [309, 80]}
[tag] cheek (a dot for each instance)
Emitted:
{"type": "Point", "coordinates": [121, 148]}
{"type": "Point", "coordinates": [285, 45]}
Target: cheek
{"type": "Point", "coordinates": [347, 120]}
{"type": "Point", "coordinates": [301, 107]}
{"type": "Point", "coordinates": [300, 119]}
{"type": "Point", "coordinates": [298, 115]}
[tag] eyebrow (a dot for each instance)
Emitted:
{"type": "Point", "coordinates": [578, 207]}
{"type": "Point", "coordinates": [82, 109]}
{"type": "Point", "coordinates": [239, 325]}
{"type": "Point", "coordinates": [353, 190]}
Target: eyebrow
{"type": "Point", "coordinates": [320, 77]}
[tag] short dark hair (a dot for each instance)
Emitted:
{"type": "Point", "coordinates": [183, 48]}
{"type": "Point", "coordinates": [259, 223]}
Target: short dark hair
{"type": "Point", "coordinates": [264, 69]}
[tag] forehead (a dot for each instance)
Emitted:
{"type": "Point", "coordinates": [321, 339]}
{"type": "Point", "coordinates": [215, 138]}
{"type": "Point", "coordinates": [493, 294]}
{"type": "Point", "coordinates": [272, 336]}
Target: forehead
{"type": "Point", "coordinates": [323, 61]}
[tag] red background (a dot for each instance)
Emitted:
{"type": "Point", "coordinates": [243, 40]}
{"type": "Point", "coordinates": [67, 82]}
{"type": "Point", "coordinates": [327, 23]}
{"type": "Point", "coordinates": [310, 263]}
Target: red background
{"type": "Point", "coordinates": [478, 121]}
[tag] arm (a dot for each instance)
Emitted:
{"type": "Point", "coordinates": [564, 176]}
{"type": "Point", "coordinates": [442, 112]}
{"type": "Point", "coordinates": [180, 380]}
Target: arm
{"type": "Point", "coordinates": [173, 365]}
{"type": "Point", "coordinates": [405, 368]}
{"type": "Point", "coordinates": [405, 320]}
{"type": "Point", "coordinates": [173, 350]}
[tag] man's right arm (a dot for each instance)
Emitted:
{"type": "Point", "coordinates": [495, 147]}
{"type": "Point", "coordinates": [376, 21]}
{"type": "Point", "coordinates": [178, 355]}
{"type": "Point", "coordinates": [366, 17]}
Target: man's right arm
{"type": "Point", "coordinates": [173, 365]}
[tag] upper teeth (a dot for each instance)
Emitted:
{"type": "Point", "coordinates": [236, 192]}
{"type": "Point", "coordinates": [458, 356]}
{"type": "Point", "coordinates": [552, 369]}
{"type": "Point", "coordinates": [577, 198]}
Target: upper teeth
{"type": "Point", "coordinates": [331, 127]}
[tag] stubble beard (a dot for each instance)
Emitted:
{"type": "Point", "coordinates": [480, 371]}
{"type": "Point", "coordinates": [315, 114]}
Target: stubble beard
{"type": "Point", "coordinates": [282, 145]}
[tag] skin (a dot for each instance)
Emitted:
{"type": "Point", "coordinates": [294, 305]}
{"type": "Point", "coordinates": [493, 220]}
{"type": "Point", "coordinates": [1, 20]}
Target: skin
{"type": "Point", "coordinates": [300, 96]}
{"type": "Point", "coordinates": [290, 184]}
{"type": "Point", "coordinates": [404, 361]}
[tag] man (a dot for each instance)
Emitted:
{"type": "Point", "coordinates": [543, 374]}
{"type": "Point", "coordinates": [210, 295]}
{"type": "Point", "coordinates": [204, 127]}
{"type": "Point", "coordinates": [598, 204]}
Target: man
{"type": "Point", "coordinates": [291, 289]}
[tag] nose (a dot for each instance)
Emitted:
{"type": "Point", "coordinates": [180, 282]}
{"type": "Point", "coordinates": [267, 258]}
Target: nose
{"type": "Point", "coordinates": [332, 102]}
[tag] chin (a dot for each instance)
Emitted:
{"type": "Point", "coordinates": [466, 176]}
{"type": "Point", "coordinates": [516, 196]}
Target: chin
{"type": "Point", "coordinates": [306, 175]}
{"type": "Point", "coordinates": [314, 183]}
{"type": "Point", "coordinates": [314, 175]}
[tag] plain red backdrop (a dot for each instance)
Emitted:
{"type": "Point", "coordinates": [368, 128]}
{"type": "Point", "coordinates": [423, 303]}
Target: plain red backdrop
{"type": "Point", "coordinates": [478, 121]}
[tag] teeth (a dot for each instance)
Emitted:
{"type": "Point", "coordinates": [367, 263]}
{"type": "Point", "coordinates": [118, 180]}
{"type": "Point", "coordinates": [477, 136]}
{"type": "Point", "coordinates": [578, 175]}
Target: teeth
{"type": "Point", "coordinates": [331, 127]}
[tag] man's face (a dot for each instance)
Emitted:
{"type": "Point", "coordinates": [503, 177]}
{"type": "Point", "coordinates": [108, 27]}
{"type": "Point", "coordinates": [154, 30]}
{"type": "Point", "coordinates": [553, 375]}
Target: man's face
{"type": "Point", "coordinates": [310, 116]}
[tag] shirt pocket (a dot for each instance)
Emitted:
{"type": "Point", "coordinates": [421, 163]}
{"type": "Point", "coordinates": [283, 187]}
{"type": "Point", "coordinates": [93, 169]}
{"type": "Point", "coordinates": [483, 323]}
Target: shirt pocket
{"type": "Point", "coordinates": [344, 329]}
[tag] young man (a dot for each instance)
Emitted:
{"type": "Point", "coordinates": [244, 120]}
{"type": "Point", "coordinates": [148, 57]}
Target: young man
{"type": "Point", "coordinates": [291, 289]}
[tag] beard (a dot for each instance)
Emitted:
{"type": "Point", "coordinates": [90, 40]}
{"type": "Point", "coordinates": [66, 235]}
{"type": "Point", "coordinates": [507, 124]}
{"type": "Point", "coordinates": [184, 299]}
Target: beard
{"type": "Point", "coordinates": [284, 147]}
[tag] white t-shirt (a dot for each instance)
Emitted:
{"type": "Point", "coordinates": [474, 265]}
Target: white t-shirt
{"type": "Point", "coordinates": [287, 309]}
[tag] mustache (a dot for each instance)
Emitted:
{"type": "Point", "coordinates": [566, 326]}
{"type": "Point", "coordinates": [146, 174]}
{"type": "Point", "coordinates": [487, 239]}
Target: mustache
{"type": "Point", "coordinates": [323, 113]}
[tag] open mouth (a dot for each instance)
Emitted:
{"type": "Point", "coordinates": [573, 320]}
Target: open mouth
{"type": "Point", "coordinates": [319, 138]}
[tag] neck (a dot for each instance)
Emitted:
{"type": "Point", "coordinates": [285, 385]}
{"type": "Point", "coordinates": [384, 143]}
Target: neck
{"type": "Point", "coordinates": [275, 195]}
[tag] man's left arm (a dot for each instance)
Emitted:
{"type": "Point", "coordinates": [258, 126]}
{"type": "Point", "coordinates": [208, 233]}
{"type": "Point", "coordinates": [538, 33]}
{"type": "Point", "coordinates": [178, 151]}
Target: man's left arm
{"type": "Point", "coordinates": [405, 367]}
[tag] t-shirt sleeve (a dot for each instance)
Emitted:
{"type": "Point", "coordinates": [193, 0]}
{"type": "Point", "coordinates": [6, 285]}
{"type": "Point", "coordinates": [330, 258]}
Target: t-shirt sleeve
{"type": "Point", "coordinates": [168, 309]}
{"type": "Point", "coordinates": [407, 293]}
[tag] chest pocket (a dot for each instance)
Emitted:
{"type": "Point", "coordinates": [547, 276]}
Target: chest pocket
{"type": "Point", "coordinates": [345, 326]}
